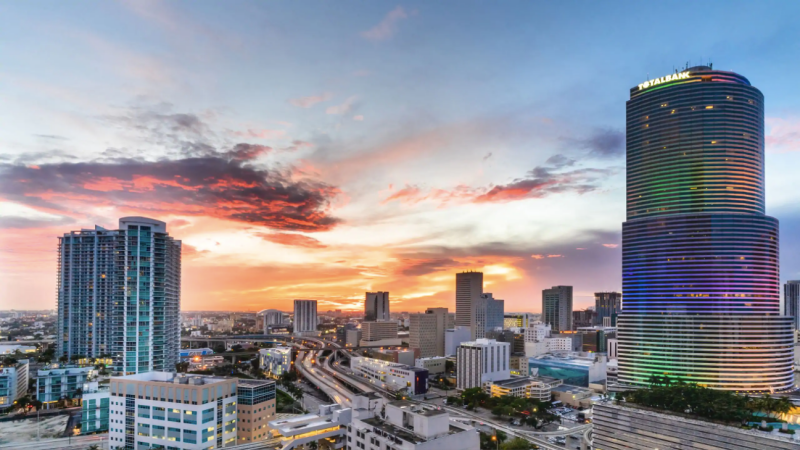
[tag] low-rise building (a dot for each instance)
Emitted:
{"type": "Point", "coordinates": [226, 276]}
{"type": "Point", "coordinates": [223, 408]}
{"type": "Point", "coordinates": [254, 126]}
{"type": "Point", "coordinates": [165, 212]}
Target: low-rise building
{"type": "Point", "coordinates": [575, 369]}
{"type": "Point", "coordinates": [406, 357]}
{"type": "Point", "coordinates": [434, 364]}
{"type": "Point", "coordinates": [186, 412]}
{"type": "Point", "coordinates": [255, 408]}
{"type": "Point", "coordinates": [95, 403]}
{"type": "Point", "coordinates": [391, 376]}
{"type": "Point", "coordinates": [329, 423]}
{"type": "Point", "coordinates": [536, 332]}
{"type": "Point", "coordinates": [6, 349]}
{"type": "Point", "coordinates": [59, 383]}
{"type": "Point", "coordinates": [275, 361]}
{"type": "Point", "coordinates": [518, 364]}
{"type": "Point", "coordinates": [574, 396]}
{"type": "Point", "coordinates": [353, 338]}
{"type": "Point", "coordinates": [618, 427]}
{"type": "Point", "coordinates": [13, 382]}
{"type": "Point", "coordinates": [539, 388]}
{"type": "Point", "coordinates": [408, 426]}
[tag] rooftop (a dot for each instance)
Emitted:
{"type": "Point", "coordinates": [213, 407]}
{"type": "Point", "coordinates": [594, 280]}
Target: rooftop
{"type": "Point", "coordinates": [524, 381]}
{"type": "Point", "coordinates": [254, 383]}
{"type": "Point", "coordinates": [572, 388]}
{"type": "Point", "coordinates": [173, 378]}
{"type": "Point", "coordinates": [416, 409]}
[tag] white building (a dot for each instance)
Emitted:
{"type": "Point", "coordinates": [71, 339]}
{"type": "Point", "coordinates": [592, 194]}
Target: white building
{"type": "Point", "coordinates": [453, 338]}
{"type": "Point", "coordinates": [55, 384]}
{"type": "Point", "coordinates": [180, 412]}
{"type": "Point", "coordinates": [536, 332]}
{"type": "Point", "coordinates": [275, 361]}
{"type": "Point", "coordinates": [548, 345]}
{"type": "Point", "coordinates": [481, 361]}
{"type": "Point", "coordinates": [540, 388]}
{"type": "Point", "coordinates": [434, 364]}
{"type": "Point", "coordinates": [408, 426]}
{"type": "Point", "coordinates": [613, 349]}
{"type": "Point", "coordinates": [379, 334]}
{"type": "Point", "coordinates": [376, 307]}
{"type": "Point", "coordinates": [305, 316]}
{"type": "Point", "coordinates": [13, 382]}
{"type": "Point", "coordinates": [329, 423]}
{"type": "Point", "coordinates": [391, 376]}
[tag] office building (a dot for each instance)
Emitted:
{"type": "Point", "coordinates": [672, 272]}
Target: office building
{"type": "Point", "coordinates": [700, 277]}
{"type": "Point", "coordinates": [119, 294]}
{"type": "Point", "coordinates": [469, 287]}
{"type": "Point", "coordinates": [518, 364]}
{"type": "Point", "coordinates": [520, 320]}
{"type": "Point", "coordinates": [409, 426]}
{"type": "Point", "coordinates": [481, 361]}
{"type": "Point", "coordinates": [426, 331]}
{"type": "Point", "coordinates": [376, 307]}
{"type": "Point", "coordinates": [305, 317]}
{"type": "Point", "coordinates": [517, 340]}
{"type": "Point", "coordinates": [434, 365]}
{"type": "Point", "coordinates": [630, 428]}
{"type": "Point", "coordinates": [255, 407]}
{"type": "Point", "coordinates": [13, 382]}
{"type": "Point", "coordinates": [275, 361]}
{"type": "Point", "coordinates": [59, 383]}
{"type": "Point", "coordinates": [453, 338]}
{"type": "Point", "coordinates": [379, 334]}
{"type": "Point", "coordinates": [302, 432]}
{"type": "Point", "coordinates": [495, 312]}
{"type": "Point", "coordinates": [539, 388]}
{"type": "Point", "coordinates": [95, 401]}
{"type": "Point", "coordinates": [185, 412]}
{"type": "Point", "coordinates": [394, 377]}
{"type": "Point", "coordinates": [607, 304]}
{"type": "Point", "coordinates": [612, 348]}
{"type": "Point", "coordinates": [271, 318]}
{"type": "Point", "coordinates": [406, 357]}
{"type": "Point", "coordinates": [791, 301]}
{"type": "Point", "coordinates": [341, 331]}
{"type": "Point", "coordinates": [575, 369]}
{"type": "Point", "coordinates": [557, 308]}
{"type": "Point", "coordinates": [548, 345]}
{"type": "Point", "coordinates": [353, 338]}
{"type": "Point", "coordinates": [583, 318]}
{"type": "Point", "coordinates": [537, 332]}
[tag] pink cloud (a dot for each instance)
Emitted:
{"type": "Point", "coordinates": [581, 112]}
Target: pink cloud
{"type": "Point", "coordinates": [292, 239]}
{"type": "Point", "coordinates": [555, 256]}
{"type": "Point", "coordinates": [308, 102]}
{"type": "Point", "coordinates": [387, 27]}
{"type": "Point", "coordinates": [611, 245]}
{"type": "Point", "coordinates": [537, 256]}
{"type": "Point", "coordinates": [344, 108]}
{"type": "Point", "coordinates": [358, 118]}
{"type": "Point", "coordinates": [783, 134]}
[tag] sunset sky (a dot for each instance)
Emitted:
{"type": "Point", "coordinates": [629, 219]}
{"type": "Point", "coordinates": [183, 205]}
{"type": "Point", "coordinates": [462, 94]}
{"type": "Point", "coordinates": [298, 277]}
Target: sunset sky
{"type": "Point", "coordinates": [323, 149]}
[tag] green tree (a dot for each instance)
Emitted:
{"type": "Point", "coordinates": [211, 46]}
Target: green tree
{"type": "Point", "coordinates": [516, 444]}
{"type": "Point", "coordinates": [182, 366]}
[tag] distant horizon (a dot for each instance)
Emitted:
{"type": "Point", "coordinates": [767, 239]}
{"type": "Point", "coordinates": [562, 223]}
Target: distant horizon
{"type": "Point", "coordinates": [328, 151]}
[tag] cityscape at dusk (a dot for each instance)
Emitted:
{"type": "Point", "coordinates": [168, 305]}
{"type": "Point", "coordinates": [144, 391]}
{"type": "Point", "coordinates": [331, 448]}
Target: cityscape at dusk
{"type": "Point", "coordinates": [417, 226]}
{"type": "Point", "coordinates": [320, 153]}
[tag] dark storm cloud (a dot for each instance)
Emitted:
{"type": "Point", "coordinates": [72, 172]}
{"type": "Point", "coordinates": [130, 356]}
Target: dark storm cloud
{"type": "Point", "coordinates": [216, 186]}
{"type": "Point", "coordinates": [416, 267]}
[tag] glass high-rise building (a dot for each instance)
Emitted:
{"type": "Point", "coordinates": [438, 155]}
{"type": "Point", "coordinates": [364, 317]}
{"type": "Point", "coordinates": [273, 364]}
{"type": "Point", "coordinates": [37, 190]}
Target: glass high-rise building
{"type": "Point", "coordinates": [119, 295]}
{"type": "Point", "coordinates": [791, 301]}
{"type": "Point", "coordinates": [699, 256]}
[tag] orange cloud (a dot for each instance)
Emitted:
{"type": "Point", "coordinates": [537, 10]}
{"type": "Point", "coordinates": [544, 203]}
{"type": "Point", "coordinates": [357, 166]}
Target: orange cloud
{"type": "Point", "coordinates": [297, 240]}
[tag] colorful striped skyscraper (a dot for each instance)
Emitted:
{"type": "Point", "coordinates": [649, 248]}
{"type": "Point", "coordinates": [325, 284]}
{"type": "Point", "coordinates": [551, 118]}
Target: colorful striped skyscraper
{"type": "Point", "coordinates": [700, 258]}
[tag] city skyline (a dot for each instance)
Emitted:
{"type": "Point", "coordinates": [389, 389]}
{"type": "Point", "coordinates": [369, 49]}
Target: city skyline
{"type": "Point", "coordinates": [419, 152]}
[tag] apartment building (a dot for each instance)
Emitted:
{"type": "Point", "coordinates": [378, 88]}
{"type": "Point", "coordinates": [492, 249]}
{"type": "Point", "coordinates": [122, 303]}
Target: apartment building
{"type": "Point", "coordinates": [13, 382]}
{"type": "Point", "coordinates": [275, 361]}
{"type": "Point", "coordinates": [181, 412]}
{"type": "Point", "coordinates": [481, 361]}
{"type": "Point", "coordinates": [62, 382]}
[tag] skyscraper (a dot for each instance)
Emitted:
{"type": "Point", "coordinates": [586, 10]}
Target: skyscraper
{"type": "Point", "coordinates": [791, 301]}
{"type": "Point", "coordinates": [607, 304]}
{"type": "Point", "coordinates": [376, 307]}
{"type": "Point", "coordinates": [119, 294]}
{"type": "Point", "coordinates": [469, 287]}
{"type": "Point", "coordinates": [305, 316]}
{"type": "Point", "coordinates": [426, 331]}
{"type": "Point", "coordinates": [495, 311]}
{"type": "Point", "coordinates": [557, 308]}
{"type": "Point", "coordinates": [699, 256]}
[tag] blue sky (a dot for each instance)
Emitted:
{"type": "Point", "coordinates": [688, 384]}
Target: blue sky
{"type": "Point", "coordinates": [393, 144]}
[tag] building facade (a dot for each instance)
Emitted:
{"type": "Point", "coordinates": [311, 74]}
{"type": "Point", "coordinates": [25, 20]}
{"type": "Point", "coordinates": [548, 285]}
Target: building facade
{"type": "Point", "coordinates": [469, 287]}
{"type": "Point", "coordinates": [53, 385]}
{"type": "Point", "coordinates": [426, 331]}
{"type": "Point", "coordinates": [379, 334]}
{"type": "Point", "coordinates": [13, 382]}
{"type": "Point", "coordinates": [119, 294]}
{"type": "Point", "coordinates": [699, 256]}
{"type": "Point", "coordinates": [391, 376]}
{"type": "Point", "coordinates": [95, 403]}
{"type": "Point", "coordinates": [495, 312]}
{"type": "Point", "coordinates": [182, 412]}
{"type": "Point", "coordinates": [574, 369]}
{"type": "Point", "coordinates": [481, 361]}
{"type": "Point", "coordinates": [376, 307]}
{"type": "Point", "coordinates": [271, 318]}
{"type": "Point", "coordinates": [607, 304]}
{"type": "Point", "coordinates": [539, 388]}
{"type": "Point", "coordinates": [255, 407]}
{"type": "Point", "coordinates": [520, 320]}
{"type": "Point", "coordinates": [305, 316]}
{"type": "Point", "coordinates": [621, 427]}
{"type": "Point", "coordinates": [275, 361]}
{"type": "Point", "coordinates": [557, 308]}
{"type": "Point", "coordinates": [453, 338]}
{"type": "Point", "coordinates": [791, 301]}
{"type": "Point", "coordinates": [434, 365]}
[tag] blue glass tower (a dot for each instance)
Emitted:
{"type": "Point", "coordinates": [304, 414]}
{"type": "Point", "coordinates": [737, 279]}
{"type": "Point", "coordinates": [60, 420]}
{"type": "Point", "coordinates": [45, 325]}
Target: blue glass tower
{"type": "Point", "coordinates": [700, 276]}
